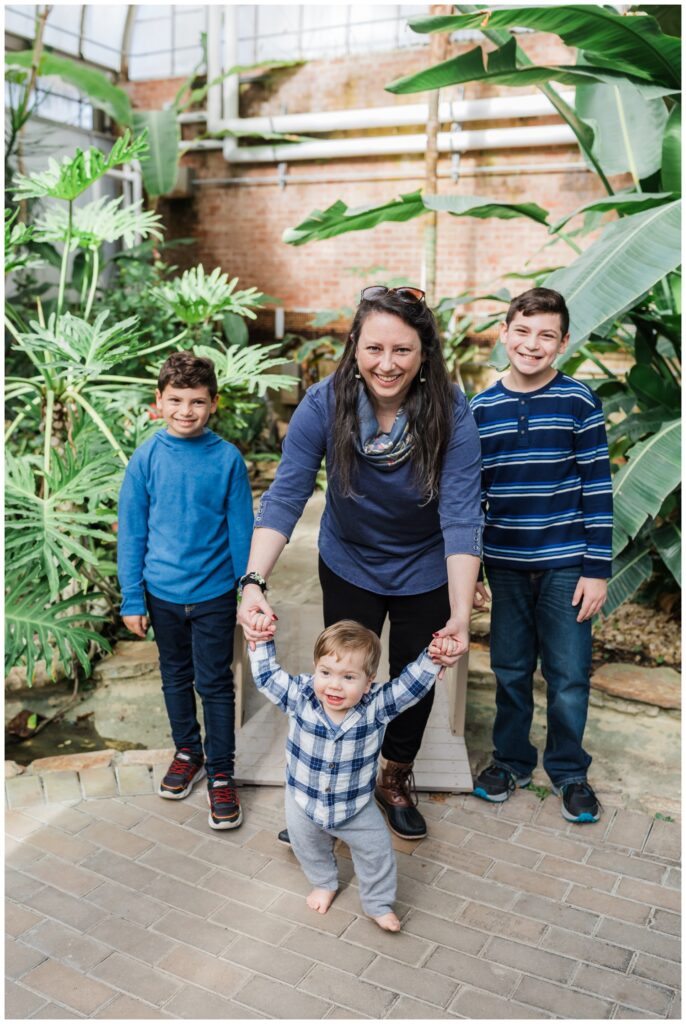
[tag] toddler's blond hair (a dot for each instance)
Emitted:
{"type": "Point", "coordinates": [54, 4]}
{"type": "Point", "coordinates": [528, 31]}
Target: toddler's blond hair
{"type": "Point", "coordinates": [348, 635]}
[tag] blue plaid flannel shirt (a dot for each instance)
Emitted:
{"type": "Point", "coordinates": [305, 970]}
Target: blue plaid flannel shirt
{"type": "Point", "coordinates": [330, 768]}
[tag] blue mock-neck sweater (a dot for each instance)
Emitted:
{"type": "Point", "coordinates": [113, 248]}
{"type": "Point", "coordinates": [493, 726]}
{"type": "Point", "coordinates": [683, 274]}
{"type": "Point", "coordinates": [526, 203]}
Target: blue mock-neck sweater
{"type": "Point", "coordinates": [387, 539]}
{"type": "Point", "coordinates": [546, 480]}
{"type": "Point", "coordinates": [185, 520]}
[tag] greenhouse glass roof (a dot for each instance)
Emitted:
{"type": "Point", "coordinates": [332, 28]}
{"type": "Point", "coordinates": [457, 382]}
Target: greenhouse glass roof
{"type": "Point", "coordinates": [164, 40]}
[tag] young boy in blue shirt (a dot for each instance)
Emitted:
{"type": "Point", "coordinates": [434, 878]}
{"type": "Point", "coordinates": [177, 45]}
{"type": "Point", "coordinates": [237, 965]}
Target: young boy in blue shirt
{"type": "Point", "coordinates": [185, 522]}
{"type": "Point", "coordinates": [547, 492]}
{"type": "Point", "coordinates": [335, 730]}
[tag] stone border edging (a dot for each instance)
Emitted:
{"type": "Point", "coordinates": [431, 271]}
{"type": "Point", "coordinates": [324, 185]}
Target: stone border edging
{"type": "Point", "coordinates": [70, 778]}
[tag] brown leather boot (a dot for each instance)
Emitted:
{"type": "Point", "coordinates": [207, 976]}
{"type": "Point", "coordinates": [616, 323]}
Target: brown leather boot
{"type": "Point", "coordinates": [397, 798]}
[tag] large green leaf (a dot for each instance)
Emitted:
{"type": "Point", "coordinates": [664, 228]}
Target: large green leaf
{"type": "Point", "coordinates": [339, 218]}
{"type": "Point", "coordinates": [668, 16]}
{"type": "Point", "coordinates": [501, 67]}
{"type": "Point", "coordinates": [196, 297]}
{"type": "Point", "coordinates": [103, 220]}
{"type": "Point", "coordinates": [671, 151]}
{"type": "Point", "coordinates": [160, 166]}
{"type": "Point", "coordinates": [247, 368]}
{"type": "Point", "coordinates": [628, 125]}
{"type": "Point", "coordinates": [652, 471]}
{"type": "Point", "coordinates": [668, 543]}
{"type": "Point", "coordinates": [90, 81]}
{"type": "Point", "coordinates": [51, 533]}
{"type": "Point", "coordinates": [35, 628]}
{"type": "Point", "coordinates": [632, 568]}
{"type": "Point", "coordinates": [651, 388]}
{"type": "Point", "coordinates": [635, 43]}
{"type": "Point", "coordinates": [630, 256]}
{"type": "Point", "coordinates": [474, 206]}
{"type": "Point", "coordinates": [622, 202]}
{"type": "Point", "coordinates": [70, 178]}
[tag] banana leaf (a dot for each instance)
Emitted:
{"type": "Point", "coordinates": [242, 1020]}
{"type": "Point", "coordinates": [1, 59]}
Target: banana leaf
{"type": "Point", "coordinates": [473, 206]}
{"type": "Point", "coordinates": [160, 166]}
{"type": "Point", "coordinates": [628, 125]}
{"type": "Point", "coordinates": [668, 543]}
{"type": "Point", "coordinates": [339, 218]}
{"type": "Point", "coordinates": [671, 151]}
{"type": "Point", "coordinates": [501, 67]}
{"type": "Point", "coordinates": [630, 256]}
{"type": "Point", "coordinates": [634, 42]}
{"type": "Point", "coordinates": [96, 86]}
{"type": "Point", "coordinates": [622, 202]}
{"type": "Point", "coordinates": [632, 568]}
{"type": "Point", "coordinates": [652, 471]}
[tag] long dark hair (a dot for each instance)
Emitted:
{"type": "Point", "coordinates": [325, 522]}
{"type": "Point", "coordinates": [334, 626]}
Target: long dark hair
{"type": "Point", "coordinates": [429, 406]}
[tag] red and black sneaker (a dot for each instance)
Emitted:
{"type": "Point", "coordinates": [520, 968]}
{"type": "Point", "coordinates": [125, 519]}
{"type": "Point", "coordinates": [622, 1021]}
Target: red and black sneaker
{"type": "Point", "coordinates": [225, 807]}
{"type": "Point", "coordinates": [182, 774]}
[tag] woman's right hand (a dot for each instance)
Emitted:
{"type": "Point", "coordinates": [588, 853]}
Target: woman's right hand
{"type": "Point", "coordinates": [252, 611]}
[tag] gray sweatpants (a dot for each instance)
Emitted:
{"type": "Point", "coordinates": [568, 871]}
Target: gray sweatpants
{"type": "Point", "coordinates": [370, 845]}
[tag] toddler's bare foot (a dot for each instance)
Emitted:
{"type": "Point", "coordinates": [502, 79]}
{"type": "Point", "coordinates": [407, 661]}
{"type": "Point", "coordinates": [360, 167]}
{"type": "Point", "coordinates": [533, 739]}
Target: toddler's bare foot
{"type": "Point", "coordinates": [320, 900]}
{"type": "Point", "coordinates": [389, 922]}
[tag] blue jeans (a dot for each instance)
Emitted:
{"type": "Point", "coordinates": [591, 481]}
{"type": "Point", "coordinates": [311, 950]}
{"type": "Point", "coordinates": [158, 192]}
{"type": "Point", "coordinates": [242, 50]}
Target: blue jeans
{"type": "Point", "coordinates": [533, 616]}
{"type": "Point", "coordinates": [195, 642]}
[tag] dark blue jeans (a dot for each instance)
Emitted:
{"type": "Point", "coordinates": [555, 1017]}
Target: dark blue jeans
{"type": "Point", "coordinates": [195, 642]}
{"type": "Point", "coordinates": [533, 616]}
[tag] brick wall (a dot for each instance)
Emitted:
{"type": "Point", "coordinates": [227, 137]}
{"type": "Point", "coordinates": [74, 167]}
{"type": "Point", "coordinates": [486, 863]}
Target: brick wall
{"type": "Point", "coordinates": [239, 227]}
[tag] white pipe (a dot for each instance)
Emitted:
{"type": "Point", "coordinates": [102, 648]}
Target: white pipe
{"type": "Point", "coordinates": [491, 109]}
{"type": "Point", "coordinates": [230, 109]}
{"type": "Point", "coordinates": [418, 175]}
{"type": "Point", "coordinates": [393, 145]}
{"type": "Point", "coordinates": [214, 66]}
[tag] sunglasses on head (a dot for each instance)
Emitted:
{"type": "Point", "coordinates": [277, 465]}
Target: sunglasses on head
{"type": "Point", "coordinates": [376, 291]}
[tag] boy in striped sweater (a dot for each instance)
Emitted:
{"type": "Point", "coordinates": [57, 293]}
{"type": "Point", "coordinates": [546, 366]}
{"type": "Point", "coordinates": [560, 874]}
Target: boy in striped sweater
{"type": "Point", "coordinates": [547, 493]}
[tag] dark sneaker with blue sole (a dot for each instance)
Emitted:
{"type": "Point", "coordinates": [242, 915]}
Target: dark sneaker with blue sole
{"type": "Point", "coordinates": [495, 783]}
{"type": "Point", "coordinates": [579, 802]}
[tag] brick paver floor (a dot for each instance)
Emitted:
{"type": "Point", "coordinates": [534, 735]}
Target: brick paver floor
{"type": "Point", "coordinates": [128, 906]}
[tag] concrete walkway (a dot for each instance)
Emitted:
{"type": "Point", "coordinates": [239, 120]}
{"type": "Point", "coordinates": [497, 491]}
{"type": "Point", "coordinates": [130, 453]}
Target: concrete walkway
{"type": "Point", "coordinates": [122, 905]}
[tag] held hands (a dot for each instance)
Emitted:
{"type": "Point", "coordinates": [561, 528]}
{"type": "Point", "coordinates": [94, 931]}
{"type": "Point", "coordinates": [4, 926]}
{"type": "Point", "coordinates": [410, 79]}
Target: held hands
{"type": "Point", "coordinates": [591, 593]}
{"type": "Point", "coordinates": [448, 644]}
{"type": "Point", "coordinates": [137, 624]}
{"type": "Point", "coordinates": [256, 616]}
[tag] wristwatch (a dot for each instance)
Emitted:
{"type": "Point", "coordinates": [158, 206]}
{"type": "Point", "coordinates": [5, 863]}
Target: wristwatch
{"type": "Point", "coordinates": [252, 577]}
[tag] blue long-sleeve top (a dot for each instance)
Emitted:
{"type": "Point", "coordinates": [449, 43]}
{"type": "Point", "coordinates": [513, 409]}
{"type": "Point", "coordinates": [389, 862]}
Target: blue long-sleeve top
{"type": "Point", "coordinates": [386, 538]}
{"type": "Point", "coordinates": [185, 520]}
{"type": "Point", "coordinates": [546, 482]}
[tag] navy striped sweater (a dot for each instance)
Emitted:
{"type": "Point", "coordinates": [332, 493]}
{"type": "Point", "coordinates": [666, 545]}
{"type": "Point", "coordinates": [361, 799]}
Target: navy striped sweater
{"type": "Point", "coordinates": [545, 482]}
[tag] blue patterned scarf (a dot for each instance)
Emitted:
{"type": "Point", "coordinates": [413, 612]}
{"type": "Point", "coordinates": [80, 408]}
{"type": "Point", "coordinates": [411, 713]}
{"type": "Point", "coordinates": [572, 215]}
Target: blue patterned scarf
{"type": "Point", "coordinates": [385, 451]}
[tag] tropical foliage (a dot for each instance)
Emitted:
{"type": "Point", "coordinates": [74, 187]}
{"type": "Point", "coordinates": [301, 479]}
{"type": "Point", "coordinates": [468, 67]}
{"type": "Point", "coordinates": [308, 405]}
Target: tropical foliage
{"type": "Point", "coordinates": [623, 290]}
{"type": "Point", "coordinates": [80, 377]}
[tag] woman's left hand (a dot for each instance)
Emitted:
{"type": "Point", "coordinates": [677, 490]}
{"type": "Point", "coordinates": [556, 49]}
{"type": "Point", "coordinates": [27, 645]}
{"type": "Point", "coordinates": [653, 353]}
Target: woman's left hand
{"type": "Point", "coordinates": [458, 634]}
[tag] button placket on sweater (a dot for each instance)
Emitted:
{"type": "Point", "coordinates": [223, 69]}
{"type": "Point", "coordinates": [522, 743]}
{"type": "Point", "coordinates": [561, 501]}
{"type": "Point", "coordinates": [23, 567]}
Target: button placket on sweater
{"type": "Point", "coordinates": [523, 421]}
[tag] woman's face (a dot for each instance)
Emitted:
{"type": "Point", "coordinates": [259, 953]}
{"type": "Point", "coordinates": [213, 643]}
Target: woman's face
{"type": "Point", "coordinates": [389, 357]}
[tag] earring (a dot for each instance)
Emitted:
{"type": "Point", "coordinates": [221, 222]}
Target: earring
{"type": "Point", "coordinates": [357, 372]}
{"type": "Point", "coordinates": [422, 378]}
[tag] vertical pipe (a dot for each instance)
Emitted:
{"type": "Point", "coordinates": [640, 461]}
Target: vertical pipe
{"type": "Point", "coordinates": [230, 95]}
{"type": "Point", "coordinates": [214, 68]}
{"type": "Point", "coordinates": [438, 49]}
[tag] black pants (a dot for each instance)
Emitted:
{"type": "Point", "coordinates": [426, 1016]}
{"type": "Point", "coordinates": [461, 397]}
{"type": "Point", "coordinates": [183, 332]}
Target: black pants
{"type": "Point", "coordinates": [413, 619]}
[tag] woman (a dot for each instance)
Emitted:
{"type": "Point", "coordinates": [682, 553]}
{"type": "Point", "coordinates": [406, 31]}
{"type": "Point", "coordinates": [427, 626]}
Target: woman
{"type": "Point", "coordinates": [401, 530]}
